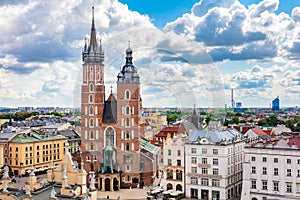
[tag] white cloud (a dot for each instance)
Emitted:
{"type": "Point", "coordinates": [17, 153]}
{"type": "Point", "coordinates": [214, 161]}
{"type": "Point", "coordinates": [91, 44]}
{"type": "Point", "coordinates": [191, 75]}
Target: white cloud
{"type": "Point", "coordinates": [257, 32]}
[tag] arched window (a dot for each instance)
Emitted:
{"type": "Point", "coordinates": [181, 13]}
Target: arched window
{"type": "Point", "coordinates": [91, 87]}
{"type": "Point", "coordinates": [169, 186]}
{"type": "Point", "coordinates": [91, 110]}
{"type": "Point", "coordinates": [91, 122]}
{"type": "Point", "coordinates": [127, 147]}
{"type": "Point", "coordinates": [127, 110]}
{"type": "Point", "coordinates": [127, 122]}
{"type": "Point", "coordinates": [127, 94]}
{"type": "Point", "coordinates": [91, 98]}
{"type": "Point", "coordinates": [178, 187]}
{"type": "Point", "coordinates": [91, 73]}
{"type": "Point", "coordinates": [127, 135]}
{"type": "Point", "coordinates": [110, 136]}
{"type": "Point", "coordinates": [91, 135]}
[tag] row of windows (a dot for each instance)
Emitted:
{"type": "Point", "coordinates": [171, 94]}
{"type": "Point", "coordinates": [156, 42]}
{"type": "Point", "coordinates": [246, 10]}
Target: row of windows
{"type": "Point", "coordinates": [91, 96]}
{"type": "Point", "coordinates": [93, 136]}
{"type": "Point", "coordinates": [29, 162]}
{"type": "Point", "coordinates": [204, 170]}
{"type": "Point", "coordinates": [264, 186]}
{"type": "Point", "coordinates": [38, 147]}
{"type": "Point", "coordinates": [234, 168]}
{"type": "Point", "coordinates": [205, 181]}
{"type": "Point", "coordinates": [178, 174]}
{"type": "Point", "coordinates": [170, 152]}
{"type": "Point", "coordinates": [93, 111]}
{"type": "Point", "coordinates": [178, 162]}
{"type": "Point", "coordinates": [91, 70]}
{"type": "Point", "coordinates": [204, 161]}
{"type": "Point", "coordinates": [204, 151]}
{"type": "Point", "coordinates": [91, 147]}
{"type": "Point", "coordinates": [275, 160]}
{"type": "Point", "coordinates": [275, 171]}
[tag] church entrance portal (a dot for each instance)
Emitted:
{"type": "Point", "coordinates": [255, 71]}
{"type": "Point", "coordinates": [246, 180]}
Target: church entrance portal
{"type": "Point", "coordinates": [116, 184]}
{"type": "Point", "coordinates": [107, 184]}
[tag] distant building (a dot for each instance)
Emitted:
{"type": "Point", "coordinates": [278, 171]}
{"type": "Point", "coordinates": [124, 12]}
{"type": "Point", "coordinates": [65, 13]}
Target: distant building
{"type": "Point", "coordinates": [256, 134]}
{"type": "Point", "coordinates": [275, 105]}
{"type": "Point", "coordinates": [272, 169]}
{"type": "Point", "coordinates": [195, 118]}
{"type": "Point", "coordinates": [213, 164]}
{"type": "Point", "coordinates": [73, 139]}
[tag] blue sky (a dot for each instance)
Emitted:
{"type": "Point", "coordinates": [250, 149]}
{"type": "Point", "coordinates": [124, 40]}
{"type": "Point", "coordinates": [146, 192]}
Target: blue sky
{"type": "Point", "coordinates": [187, 52]}
{"type": "Point", "coordinates": [165, 11]}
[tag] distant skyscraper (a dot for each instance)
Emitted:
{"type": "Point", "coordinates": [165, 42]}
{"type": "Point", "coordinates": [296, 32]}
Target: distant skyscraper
{"type": "Point", "coordinates": [275, 105]}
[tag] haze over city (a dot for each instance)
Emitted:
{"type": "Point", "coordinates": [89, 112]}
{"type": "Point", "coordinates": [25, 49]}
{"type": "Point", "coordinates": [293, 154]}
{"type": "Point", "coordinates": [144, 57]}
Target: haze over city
{"type": "Point", "coordinates": [187, 53]}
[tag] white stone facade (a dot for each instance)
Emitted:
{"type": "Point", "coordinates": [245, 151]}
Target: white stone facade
{"type": "Point", "coordinates": [213, 165]}
{"type": "Point", "coordinates": [272, 170]}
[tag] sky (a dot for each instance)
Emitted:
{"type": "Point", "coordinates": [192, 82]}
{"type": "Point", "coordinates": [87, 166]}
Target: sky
{"type": "Point", "coordinates": [187, 52]}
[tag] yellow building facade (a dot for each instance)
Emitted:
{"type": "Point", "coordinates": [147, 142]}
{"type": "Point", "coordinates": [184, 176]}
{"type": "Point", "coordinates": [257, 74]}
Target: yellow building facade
{"type": "Point", "coordinates": [1, 154]}
{"type": "Point", "coordinates": [29, 149]}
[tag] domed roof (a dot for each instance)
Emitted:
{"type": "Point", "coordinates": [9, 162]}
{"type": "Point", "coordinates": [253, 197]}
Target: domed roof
{"type": "Point", "coordinates": [128, 50]}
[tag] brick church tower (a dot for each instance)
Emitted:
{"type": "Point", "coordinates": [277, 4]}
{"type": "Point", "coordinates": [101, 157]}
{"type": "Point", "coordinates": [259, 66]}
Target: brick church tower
{"type": "Point", "coordinates": [111, 128]}
{"type": "Point", "coordinates": [92, 99]}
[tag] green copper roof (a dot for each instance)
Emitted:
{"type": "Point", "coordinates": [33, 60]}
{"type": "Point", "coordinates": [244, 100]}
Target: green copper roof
{"type": "Point", "coordinates": [34, 137]}
{"type": "Point", "coordinates": [148, 146]}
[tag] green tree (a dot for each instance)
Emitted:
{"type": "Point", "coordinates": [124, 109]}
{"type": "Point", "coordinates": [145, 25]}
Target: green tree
{"type": "Point", "coordinates": [234, 120]}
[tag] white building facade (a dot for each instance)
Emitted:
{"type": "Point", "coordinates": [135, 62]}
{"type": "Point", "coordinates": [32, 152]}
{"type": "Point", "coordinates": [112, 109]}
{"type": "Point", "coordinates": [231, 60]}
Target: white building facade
{"type": "Point", "coordinates": [272, 170]}
{"type": "Point", "coordinates": [213, 164]}
{"type": "Point", "coordinates": [174, 163]}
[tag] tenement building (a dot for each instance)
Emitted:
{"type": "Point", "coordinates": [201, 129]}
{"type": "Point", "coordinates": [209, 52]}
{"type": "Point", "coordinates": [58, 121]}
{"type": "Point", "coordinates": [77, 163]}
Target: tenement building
{"type": "Point", "coordinates": [272, 169]}
{"type": "Point", "coordinates": [29, 149]}
{"type": "Point", "coordinates": [213, 164]}
{"type": "Point", "coordinates": [111, 127]}
{"type": "Point", "coordinates": [174, 162]}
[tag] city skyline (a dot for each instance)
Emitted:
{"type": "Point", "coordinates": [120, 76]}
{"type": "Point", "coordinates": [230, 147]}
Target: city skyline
{"type": "Point", "coordinates": [251, 48]}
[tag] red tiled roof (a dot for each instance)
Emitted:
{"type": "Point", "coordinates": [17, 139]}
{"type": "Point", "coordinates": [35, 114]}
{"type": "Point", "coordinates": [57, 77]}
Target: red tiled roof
{"type": "Point", "coordinates": [170, 129]}
{"type": "Point", "coordinates": [156, 142]}
{"type": "Point", "coordinates": [268, 132]}
{"type": "Point", "coordinates": [165, 131]}
{"type": "Point", "coordinates": [259, 132]}
{"type": "Point", "coordinates": [295, 140]}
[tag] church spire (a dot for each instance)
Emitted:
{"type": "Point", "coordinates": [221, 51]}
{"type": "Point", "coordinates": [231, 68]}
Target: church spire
{"type": "Point", "coordinates": [194, 111]}
{"type": "Point", "coordinates": [93, 40]}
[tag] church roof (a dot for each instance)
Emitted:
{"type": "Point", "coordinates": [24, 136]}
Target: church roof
{"type": "Point", "coordinates": [110, 110]}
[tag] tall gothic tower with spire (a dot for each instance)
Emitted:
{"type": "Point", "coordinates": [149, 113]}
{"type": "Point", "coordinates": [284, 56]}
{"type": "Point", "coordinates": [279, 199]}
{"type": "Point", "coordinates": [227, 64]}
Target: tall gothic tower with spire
{"type": "Point", "coordinates": [92, 95]}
